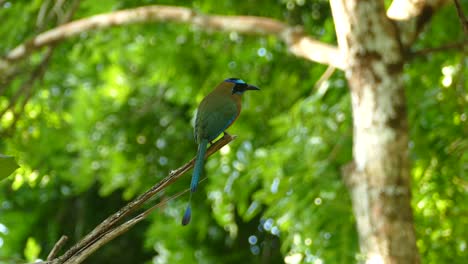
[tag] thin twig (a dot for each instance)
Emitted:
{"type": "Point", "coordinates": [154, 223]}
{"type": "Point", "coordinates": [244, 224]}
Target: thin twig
{"type": "Point", "coordinates": [109, 223]}
{"type": "Point", "coordinates": [36, 74]}
{"type": "Point", "coordinates": [40, 21]}
{"type": "Point", "coordinates": [57, 247]}
{"type": "Point", "coordinates": [117, 231]}
{"type": "Point", "coordinates": [10, 75]}
{"type": "Point", "coordinates": [325, 76]}
{"type": "Point", "coordinates": [462, 17]}
{"type": "Point", "coordinates": [58, 10]}
{"type": "Point", "coordinates": [69, 14]}
{"type": "Point", "coordinates": [450, 46]}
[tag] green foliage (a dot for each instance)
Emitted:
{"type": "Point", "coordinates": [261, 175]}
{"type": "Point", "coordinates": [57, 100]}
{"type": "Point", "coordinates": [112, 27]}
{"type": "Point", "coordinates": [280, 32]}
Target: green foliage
{"type": "Point", "coordinates": [439, 145]}
{"type": "Point", "coordinates": [7, 166]}
{"type": "Point", "coordinates": [32, 250]}
{"type": "Point", "coordinates": [114, 114]}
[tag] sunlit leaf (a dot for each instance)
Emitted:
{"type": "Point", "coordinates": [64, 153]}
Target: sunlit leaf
{"type": "Point", "coordinates": [7, 166]}
{"type": "Point", "coordinates": [32, 249]}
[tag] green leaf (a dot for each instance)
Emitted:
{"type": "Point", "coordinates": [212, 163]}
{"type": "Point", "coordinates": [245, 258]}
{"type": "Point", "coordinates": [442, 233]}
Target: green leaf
{"type": "Point", "coordinates": [32, 249]}
{"type": "Point", "coordinates": [7, 166]}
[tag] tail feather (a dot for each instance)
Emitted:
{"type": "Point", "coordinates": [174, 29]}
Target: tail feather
{"type": "Point", "coordinates": [187, 214]}
{"type": "Point", "coordinates": [198, 168]}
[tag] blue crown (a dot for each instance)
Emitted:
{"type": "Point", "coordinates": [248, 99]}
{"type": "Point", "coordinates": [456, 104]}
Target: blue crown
{"type": "Point", "coordinates": [235, 80]}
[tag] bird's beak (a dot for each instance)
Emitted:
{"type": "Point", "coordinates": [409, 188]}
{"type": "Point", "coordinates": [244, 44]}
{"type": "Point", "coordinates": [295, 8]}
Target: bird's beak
{"type": "Point", "coordinates": [252, 87]}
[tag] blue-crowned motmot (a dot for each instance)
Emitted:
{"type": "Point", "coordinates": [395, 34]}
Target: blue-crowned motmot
{"type": "Point", "coordinates": [216, 112]}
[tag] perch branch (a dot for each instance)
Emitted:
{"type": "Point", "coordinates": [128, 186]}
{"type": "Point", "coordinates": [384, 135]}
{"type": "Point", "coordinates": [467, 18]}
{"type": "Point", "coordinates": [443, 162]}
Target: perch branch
{"type": "Point", "coordinates": [108, 224]}
{"type": "Point", "coordinates": [117, 231]}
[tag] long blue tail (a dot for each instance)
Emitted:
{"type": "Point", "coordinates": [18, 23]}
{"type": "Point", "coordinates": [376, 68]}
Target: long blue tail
{"type": "Point", "coordinates": [197, 170]}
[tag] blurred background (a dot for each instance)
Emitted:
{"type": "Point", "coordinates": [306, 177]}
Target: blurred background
{"type": "Point", "coordinates": [112, 114]}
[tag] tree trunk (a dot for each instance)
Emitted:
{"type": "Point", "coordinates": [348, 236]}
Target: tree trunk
{"type": "Point", "coordinates": [378, 178]}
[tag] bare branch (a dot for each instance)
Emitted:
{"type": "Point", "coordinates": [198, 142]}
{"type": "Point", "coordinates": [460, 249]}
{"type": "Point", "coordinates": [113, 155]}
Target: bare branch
{"type": "Point", "coordinates": [411, 16]}
{"type": "Point", "coordinates": [57, 247]}
{"type": "Point", "coordinates": [446, 47]}
{"type": "Point", "coordinates": [462, 17]}
{"type": "Point", "coordinates": [26, 87]}
{"type": "Point", "coordinates": [58, 10]}
{"type": "Point", "coordinates": [118, 230]}
{"type": "Point", "coordinates": [40, 21]}
{"type": "Point", "coordinates": [319, 85]}
{"type": "Point", "coordinates": [65, 18]}
{"type": "Point", "coordinates": [299, 43]}
{"type": "Point", "coordinates": [10, 75]}
{"type": "Point", "coordinates": [109, 224]}
{"type": "Point", "coordinates": [408, 9]}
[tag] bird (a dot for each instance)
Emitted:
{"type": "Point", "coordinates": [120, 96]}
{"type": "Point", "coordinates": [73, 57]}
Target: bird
{"type": "Point", "coordinates": [216, 112]}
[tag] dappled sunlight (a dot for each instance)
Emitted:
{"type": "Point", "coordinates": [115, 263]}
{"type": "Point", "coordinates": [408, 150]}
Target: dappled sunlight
{"type": "Point", "coordinates": [98, 102]}
{"type": "Point", "coordinates": [116, 86]}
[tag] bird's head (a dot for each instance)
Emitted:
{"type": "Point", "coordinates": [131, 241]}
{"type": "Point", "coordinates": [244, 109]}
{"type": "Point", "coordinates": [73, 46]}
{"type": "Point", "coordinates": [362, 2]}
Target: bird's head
{"type": "Point", "coordinates": [239, 86]}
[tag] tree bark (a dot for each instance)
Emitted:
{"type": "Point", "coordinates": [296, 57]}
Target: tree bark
{"type": "Point", "coordinates": [378, 179]}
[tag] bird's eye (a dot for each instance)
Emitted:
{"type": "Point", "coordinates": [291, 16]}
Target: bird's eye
{"type": "Point", "coordinates": [239, 88]}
